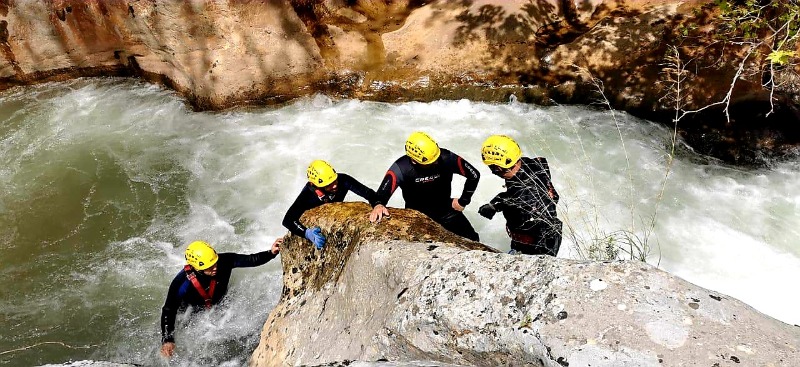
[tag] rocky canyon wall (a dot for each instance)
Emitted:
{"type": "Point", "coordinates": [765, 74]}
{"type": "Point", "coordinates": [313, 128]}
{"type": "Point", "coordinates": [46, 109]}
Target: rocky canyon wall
{"type": "Point", "coordinates": [219, 54]}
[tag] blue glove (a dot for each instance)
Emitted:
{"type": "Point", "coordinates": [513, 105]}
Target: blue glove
{"type": "Point", "coordinates": [315, 236]}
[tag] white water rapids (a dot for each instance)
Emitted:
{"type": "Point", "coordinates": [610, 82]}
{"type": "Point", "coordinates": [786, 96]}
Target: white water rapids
{"type": "Point", "coordinates": [105, 181]}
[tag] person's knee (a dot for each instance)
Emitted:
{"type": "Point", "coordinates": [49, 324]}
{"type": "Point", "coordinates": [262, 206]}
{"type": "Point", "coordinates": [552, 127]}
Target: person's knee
{"type": "Point", "coordinates": [553, 244]}
{"type": "Point", "coordinates": [458, 223]}
{"type": "Point", "coordinates": [467, 231]}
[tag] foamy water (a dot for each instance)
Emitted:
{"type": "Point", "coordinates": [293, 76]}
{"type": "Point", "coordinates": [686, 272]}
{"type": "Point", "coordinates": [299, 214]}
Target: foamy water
{"type": "Point", "coordinates": [106, 181]}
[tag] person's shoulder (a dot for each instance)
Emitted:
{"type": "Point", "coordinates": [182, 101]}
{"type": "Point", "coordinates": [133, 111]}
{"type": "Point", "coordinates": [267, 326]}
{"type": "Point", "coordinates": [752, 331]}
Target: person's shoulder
{"type": "Point", "coordinates": [227, 256]}
{"type": "Point", "coordinates": [178, 280]}
{"type": "Point", "coordinates": [450, 157]}
{"type": "Point", "coordinates": [403, 159]}
{"type": "Point", "coordinates": [307, 188]}
{"type": "Point", "coordinates": [346, 180]}
{"type": "Point", "coordinates": [449, 154]}
{"type": "Point", "coordinates": [180, 274]}
{"type": "Point", "coordinates": [534, 165]}
{"type": "Point", "coordinates": [400, 163]}
{"type": "Point", "coordinates": [534, 160]}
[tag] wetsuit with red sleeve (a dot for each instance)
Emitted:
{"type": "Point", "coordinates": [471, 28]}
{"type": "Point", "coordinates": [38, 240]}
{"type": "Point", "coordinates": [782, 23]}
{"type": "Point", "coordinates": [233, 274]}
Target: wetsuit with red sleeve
{"type": "Point", "coordinates": [427, 188]}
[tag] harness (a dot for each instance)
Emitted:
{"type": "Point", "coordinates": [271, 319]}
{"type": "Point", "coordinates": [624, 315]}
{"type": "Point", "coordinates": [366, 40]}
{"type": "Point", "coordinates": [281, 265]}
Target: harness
{"type": "Point", "coordinates": [322, 196]}
{"type": "Point", "coordinates": [521, 237]}
{"type": "Point", "coordinates": [196, 283]}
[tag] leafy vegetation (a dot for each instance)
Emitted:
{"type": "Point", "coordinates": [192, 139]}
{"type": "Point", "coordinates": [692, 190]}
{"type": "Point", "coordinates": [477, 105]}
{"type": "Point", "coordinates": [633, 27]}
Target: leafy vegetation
{"type": "Point", "coordinates": [774, 23]}
{"type": "Point", "coordinates": [760, 35]}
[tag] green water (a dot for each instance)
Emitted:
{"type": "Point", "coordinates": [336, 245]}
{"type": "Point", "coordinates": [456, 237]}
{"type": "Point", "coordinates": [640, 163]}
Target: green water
{"type": "Point", "coordinates": [105, 181]}
{"type": "Point", "coordinates": [68, 196]}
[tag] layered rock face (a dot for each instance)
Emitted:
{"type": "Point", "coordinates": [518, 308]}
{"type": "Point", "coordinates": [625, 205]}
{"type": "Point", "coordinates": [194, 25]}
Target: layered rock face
{"type": "Point", "coordinates": [407, 290]}
{"type": "Point", "coordinates": [225, 53]}
{"type": "Point", "coordinates": [217, 54]}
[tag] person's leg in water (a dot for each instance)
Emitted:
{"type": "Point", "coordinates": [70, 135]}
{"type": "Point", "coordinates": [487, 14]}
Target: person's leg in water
{"type": "Point", "coordinates": [457, 222]}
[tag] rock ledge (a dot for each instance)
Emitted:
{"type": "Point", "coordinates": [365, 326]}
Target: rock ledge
{"type": "Point", "coordinates": [407, 290]}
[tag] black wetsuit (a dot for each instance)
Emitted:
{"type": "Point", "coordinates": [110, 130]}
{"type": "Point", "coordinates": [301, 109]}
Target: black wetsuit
{"type": "Point", "coordinates": [529, 206]}
{"type": "Point", "coordinates": [182, 292]}
{"type": "Point", "coordinates": [427, 188]}
{"type": "Point", "coordinates": [311, 197]}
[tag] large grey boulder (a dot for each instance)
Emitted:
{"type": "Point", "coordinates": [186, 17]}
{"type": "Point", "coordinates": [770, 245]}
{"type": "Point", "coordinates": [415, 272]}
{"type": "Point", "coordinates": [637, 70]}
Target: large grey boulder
{"type": "Point", "coordinates": [407, 290]}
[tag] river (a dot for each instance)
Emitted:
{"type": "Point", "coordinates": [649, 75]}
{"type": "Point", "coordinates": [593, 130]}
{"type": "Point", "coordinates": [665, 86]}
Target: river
{"type": "Point", "coordinates": [105, 181]}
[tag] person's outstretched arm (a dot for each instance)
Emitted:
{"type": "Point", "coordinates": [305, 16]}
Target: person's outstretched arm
{"type": "Point", "coordinates": [460, 166]}
{"type": "Point", "coordinates": [497, 204]}
{"type": "Point", "coordinates": [391, 181]}
{"type": "Point", "coordinates": [351, 184]}
{"type": "Point", "coordinates": [168, 313]}
{"type": "Point", "coordinates": [259, 258]}
{"type": "Point", "coordinates": [292, 218]}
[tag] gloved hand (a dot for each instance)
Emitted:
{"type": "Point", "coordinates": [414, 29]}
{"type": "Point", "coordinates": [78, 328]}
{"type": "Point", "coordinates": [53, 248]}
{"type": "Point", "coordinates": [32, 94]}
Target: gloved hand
{"type": "Point", "coordinates": [315, 236]}
{"type": "Point", "coordinates": [487, 210]}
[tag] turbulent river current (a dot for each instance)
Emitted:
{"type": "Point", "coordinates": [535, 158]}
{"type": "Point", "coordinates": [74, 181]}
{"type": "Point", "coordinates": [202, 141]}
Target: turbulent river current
{"type": "Point", "coordinates": [105, 181]}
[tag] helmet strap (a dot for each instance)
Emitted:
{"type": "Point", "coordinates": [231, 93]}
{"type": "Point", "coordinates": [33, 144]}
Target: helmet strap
{"type": "Point", "coordinates": [322, 196]}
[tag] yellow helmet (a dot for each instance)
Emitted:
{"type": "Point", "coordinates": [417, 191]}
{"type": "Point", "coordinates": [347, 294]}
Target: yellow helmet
{"type": "Point", "coordinates": [500, 150]}
{"type": "Point", "coordinates": [422, 148]}
{"type": "Point", "coordinates": [321, 174]}
{"type": "Point", "coordinates": [200, 255]}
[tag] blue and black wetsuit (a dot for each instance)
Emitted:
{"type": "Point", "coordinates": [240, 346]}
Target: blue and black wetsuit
{"type": "Point", "coordinates": [529, 206]}
{"type": "Point", "coordinates": [427, 188]}
{"type": "Point", "coordinates": [182, 292]}
{"type": "Point", "coordinates": [311, 197]}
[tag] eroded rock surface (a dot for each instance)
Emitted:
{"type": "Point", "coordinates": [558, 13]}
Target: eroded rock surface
{"type": "Point", "coordinates": [407, 290]}
{"type": "Point", "coordinates": [224, 53]}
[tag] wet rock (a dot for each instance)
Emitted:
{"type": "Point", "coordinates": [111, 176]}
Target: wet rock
{"type": "Point", "coordinates": [471, 305]}
{"type": "Point", "coordinates": [223, 54]}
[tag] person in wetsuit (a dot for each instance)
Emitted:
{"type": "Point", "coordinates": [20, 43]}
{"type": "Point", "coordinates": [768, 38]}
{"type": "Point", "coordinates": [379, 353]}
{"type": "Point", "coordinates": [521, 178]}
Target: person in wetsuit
{"type": "Point", "coordinates": [203, 282]}
{"type": "Point", "coordinates": [324, 186]}
{"type": "Point", "coordinates": [425, 175]}
{"type": "Point", "coordinates": [529, 202]}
